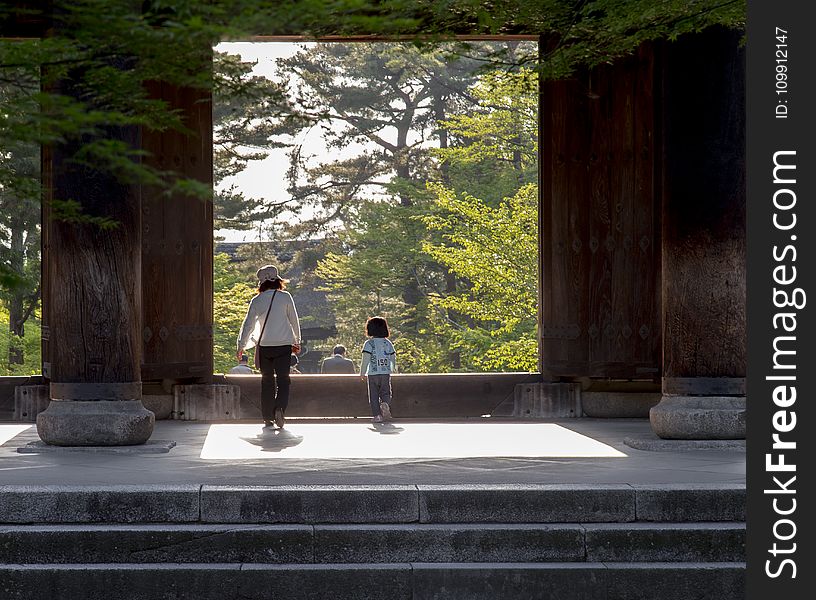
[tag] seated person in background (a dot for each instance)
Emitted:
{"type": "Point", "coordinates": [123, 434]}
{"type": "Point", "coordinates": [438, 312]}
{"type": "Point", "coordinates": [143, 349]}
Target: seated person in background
{"type": "Point", "coordinates": [242, 368]}
{"type": "Point", "coordinates": [338, 363]}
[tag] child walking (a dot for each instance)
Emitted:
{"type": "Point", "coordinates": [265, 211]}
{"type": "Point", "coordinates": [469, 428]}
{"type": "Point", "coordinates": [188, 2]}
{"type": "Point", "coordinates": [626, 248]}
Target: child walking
{"type": "Point", "coordinates": [378, 362]}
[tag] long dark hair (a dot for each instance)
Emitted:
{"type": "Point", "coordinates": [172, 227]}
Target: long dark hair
{"type": "Point", "coordinates": [272, 284]}
{"type": "Point", "coordinates": [377, 327]}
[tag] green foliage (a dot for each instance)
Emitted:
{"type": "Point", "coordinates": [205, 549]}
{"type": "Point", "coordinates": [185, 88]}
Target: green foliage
{"type": "Point", "coordinates": [494, 148]}
{"type": "Point", "coordinates": [231, 295]}
{"type": "Point", "coordinates": [485, 234]}
{"type": "Point", "coordinates": [501, 126]}
{"type": "Point", "coordinates": [367, 273]}
{"type": "Point", "coordinates": [19, 235]}
{"type": "Point", "coordinates": [495, 251]}
{"type": "Point", "coordinates": [27, 346]}
{"type": "Point", "coordinates": [472, 264]}
{"type": "Point", "coordinates": [19, 194]}
{"type": "Point", "coordinates": [386, 96]}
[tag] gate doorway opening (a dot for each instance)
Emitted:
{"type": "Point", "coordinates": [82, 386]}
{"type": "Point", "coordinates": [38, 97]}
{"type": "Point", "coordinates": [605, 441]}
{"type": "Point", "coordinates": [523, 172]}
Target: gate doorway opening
{"type": "Point", "coordinates": [383, 178]}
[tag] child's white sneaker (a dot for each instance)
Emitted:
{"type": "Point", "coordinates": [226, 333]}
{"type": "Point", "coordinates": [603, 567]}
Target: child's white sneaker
{"type": "Point", "coordinates": [385, 410]}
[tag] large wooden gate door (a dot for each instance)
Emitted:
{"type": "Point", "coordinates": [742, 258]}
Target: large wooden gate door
{"type": "Point", "coordinates": [177, 248]}
{"type": "Point", "coordinates": [599, 228]}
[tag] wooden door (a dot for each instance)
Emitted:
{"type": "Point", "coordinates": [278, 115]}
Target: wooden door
{"type": "Point", "coordinates": [599, 224]}
{"type": "Point", "coordinates": [177, 248]}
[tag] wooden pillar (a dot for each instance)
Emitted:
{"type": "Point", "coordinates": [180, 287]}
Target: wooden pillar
{"type": "Point", "coordinates": [92, 306]}
{"type": "Point", "coordinates": [703, 241]}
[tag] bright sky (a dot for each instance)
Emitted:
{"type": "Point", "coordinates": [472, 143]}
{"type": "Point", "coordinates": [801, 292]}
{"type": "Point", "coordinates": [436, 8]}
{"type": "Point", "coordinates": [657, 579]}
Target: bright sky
{"type": "Point", "coordinates": [261, 179]}
{"type": "Point", "coordinates": [267, 178]}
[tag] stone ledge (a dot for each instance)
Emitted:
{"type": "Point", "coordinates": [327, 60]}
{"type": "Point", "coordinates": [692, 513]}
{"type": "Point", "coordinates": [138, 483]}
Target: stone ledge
{"type": "Point", "coordinates": [587, 581]}
{"type": "Point", "coordinates": [160, 405]}
{"type": "Point", "coordinates": [233, 581]}
{"type": "Point", "coordinates": [680, 581]}
{"type": "Point", "coordinates": [313, 504]}
{"type": "Point", "coordinates": [672, 503]}
{"type": "Point", "coordinates": [449, 543]}
{"type": "Point", "coordinates": [159, 543]}
{"type": "Point", "coordinates": [665, 542]}
{"type": "Point", "coordinates": [371, 543]}
{"type": "Point", "coordinates": [149, 447]}
{"type": "Point", "coordinates": [309, 504]}
{"type": "Point", "coordinates": [657, 444]}
{"type": "Point", "coordinates": [617, 405]}
{"type": "Point", "coordinates": [544, 503]}
{"type": "Point", "coordinates": [389, 581]}
{"type": "Point", "coordinates": [99, 504]}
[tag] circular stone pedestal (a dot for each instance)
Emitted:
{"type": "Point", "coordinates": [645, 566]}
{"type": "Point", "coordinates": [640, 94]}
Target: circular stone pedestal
{"type": "Point", "coordinates": [95, 423]}
{"type": "Point", "coordinates": [699, 418]}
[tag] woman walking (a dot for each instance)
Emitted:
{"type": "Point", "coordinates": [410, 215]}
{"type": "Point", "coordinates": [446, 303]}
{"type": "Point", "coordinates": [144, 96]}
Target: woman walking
{"type": "Point", "coordinates": [271, 324]}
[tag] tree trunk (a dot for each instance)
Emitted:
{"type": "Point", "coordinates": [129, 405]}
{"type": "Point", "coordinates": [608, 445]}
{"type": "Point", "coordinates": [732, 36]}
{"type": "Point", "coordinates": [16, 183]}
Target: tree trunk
{"type": "Point", "coordinates": [454, 356]}
{"type": "Point", "coordinates": [401, 156]}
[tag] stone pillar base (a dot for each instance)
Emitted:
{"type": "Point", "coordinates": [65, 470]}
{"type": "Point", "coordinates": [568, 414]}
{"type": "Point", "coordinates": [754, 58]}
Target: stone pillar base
{"type": "Point", "coordinates": [160, 405]}
{"type": "Point", "coordinates": [95, 423]}
{"type": "Point", "coordinates": [699, 418]}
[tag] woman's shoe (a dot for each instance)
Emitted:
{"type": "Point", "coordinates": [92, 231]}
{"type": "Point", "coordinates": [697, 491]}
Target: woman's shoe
{"type": "Point", "coordinates": [378, 419]}
{"type": "Point", "coordinates": [267, 423]}
{"type": "Point", "coordinates": [279, 417]}
{"type": "Point", "coordinates": [386, 411]}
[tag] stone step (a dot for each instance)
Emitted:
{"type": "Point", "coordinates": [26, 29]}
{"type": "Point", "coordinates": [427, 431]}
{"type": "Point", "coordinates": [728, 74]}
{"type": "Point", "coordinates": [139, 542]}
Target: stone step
{"type": "Point", "coordinates": [337, 504]}
{"type": "Point", "coordinates": [390, 581]}
{"type": "Point", "coordinates": [375, 543]}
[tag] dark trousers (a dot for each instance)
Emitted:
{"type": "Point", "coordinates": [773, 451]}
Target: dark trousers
{"type": "Point", "coordinates": [379, 390]}
{"type": "Point", "coordinates": [274, 379]}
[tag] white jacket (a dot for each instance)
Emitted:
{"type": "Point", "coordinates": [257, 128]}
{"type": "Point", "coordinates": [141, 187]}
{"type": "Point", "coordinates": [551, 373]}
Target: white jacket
{"type": "Point", "coordinates": [282, 326]}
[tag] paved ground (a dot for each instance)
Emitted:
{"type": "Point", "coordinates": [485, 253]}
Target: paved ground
{"type": "Point", "coordinates": [355, 452]}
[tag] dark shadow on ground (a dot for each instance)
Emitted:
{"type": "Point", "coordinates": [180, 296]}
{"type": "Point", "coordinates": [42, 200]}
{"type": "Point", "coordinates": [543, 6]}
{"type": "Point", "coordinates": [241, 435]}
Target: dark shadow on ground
{"type": "Point", "coordinates": [274, 440]}
{"type": "Point", "coordinates": [386, 428]}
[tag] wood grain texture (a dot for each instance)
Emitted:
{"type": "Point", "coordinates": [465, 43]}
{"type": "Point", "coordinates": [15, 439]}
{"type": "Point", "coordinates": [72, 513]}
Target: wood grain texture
{"type": "Point", "coordinates": [564, 183]}
{"type": "Point", "coordinates": [704, 253]}
{"type": "Point", "coordinates": [92, 287]}
{"type": "Point", "coordinates": [599, 245]}
{"type": "Point", "coordinates": [177, 247]}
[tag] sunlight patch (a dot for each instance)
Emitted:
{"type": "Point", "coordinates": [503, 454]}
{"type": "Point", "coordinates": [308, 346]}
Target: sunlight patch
{"type": "Point", "coordinates": [8, 432]}
{"type": "Point", "coordinates": [402, 440]}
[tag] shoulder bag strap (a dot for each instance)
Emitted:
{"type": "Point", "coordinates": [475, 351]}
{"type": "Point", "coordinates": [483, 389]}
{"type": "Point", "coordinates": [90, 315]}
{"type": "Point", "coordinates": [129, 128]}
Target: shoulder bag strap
{"type": "Point", "coordinates": [260, 336]}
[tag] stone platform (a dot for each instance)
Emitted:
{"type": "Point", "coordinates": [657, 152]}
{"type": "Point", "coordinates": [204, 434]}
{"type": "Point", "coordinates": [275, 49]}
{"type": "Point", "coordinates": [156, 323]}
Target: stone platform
{"type": "Point", "coordinates": [355, 452]}
{"type": "Point", "coordinates": [507, 509]}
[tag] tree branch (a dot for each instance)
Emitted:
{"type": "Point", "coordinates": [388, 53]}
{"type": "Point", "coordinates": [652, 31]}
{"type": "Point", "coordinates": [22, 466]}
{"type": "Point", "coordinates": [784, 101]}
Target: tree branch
{"type": "Point", "coordinates": [33, 299]}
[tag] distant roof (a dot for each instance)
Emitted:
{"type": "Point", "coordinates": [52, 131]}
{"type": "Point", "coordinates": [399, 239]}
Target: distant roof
{"type": "Point", "coordinates": [283, 249]}
{"type": "Point", "coordinates": [312, 306]}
